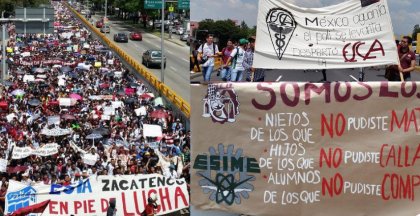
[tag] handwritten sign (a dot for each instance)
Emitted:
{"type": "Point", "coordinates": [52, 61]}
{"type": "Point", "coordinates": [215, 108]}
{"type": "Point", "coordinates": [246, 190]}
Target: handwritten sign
{"type": "Point", "coordinates": [314, 148]}
{"type": "Point", "coordinates": [347, 35]}
{"type": "Point", "coordinates": [45, 150]}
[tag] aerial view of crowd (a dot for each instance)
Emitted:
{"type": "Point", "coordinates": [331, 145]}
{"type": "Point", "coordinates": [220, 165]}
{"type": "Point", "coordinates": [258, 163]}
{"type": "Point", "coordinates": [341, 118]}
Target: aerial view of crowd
{"type": "Point", "coordinates": [71, 110]}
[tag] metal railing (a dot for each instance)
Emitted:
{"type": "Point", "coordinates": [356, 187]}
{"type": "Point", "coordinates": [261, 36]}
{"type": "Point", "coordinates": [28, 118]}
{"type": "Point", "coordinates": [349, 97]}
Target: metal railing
{"type": "Point", "coordinates": [163, 89]}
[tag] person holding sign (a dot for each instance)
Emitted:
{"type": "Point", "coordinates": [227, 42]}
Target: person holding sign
{"type": "Point", "coordinates": [407, 58]}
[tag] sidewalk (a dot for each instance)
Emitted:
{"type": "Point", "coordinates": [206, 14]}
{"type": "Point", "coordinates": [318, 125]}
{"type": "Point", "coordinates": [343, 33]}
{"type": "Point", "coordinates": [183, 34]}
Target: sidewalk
{"type": "Point", "coordinates": [139, 27]}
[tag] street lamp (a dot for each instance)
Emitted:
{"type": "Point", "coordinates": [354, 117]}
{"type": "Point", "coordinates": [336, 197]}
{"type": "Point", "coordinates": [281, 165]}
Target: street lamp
{"type": "Point", "coordinates": [162, 69]}
{"type": "Point", "coordinates": [3, 59]}
{"type": "Point", "coordinates": [106, 7]}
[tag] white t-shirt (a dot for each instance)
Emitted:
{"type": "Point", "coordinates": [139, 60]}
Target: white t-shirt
{"type": "Point", "coordinates": [207, 50]}
{"type": "Point", "coordinates": [237, 62]}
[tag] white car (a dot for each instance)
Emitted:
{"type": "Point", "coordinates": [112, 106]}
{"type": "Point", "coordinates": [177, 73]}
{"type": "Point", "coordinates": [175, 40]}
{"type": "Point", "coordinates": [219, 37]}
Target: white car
{"type": "Point", "coordinates": [180, 31]}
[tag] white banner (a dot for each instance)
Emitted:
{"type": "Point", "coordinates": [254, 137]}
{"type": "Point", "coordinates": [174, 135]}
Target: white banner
{"type": "Point", "coordinates": [90, 197]}
{"type": "Point", "coordinates": [152, 130]}
{"type": "Point", "coordinates": [355, 33]}
{"type": "Point", "coordinates": [66, 101]}
{"type": "Point", "coordinates": [45, 150]}
{"type": "Point", "coordinates": [90, 159]}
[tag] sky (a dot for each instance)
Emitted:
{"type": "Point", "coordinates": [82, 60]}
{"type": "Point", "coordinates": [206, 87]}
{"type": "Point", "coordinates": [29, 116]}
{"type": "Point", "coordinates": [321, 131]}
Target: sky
{"type": "Point", "coordinates": [404, 13]}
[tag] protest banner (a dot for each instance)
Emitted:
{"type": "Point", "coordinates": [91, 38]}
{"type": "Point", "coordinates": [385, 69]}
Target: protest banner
{"type": "Point", "coordinates": [16, 169]}
{"type": "Point", "coordinates": [152, 130]}
{"type": "Point", "coordinates": [45, 150]}
{"type": "Point", "coordinates": [355, 33]}
{"type": "Point", "coordinates": [90, 159]}
{"type": "Point", "coordinates": [335, 148]}
{"type": "Point", "coordinates": [91, 196]}
{"type": "Point", "coordinates": [67, 101]}
{"type": "Point", "coordinates": [3, 165]}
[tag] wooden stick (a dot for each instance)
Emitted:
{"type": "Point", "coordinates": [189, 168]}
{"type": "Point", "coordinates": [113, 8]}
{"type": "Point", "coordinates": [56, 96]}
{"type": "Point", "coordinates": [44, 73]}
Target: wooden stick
{"type": "Point", "coordinates": [252, 74]}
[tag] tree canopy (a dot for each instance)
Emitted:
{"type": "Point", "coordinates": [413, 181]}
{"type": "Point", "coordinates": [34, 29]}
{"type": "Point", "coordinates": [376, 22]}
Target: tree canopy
{"type": "Point", "coordinates": [9, 5]}
{"type": "Point", "coordinates": [416, 30]}
{"type": "Point", "coordinates": [224, 30]}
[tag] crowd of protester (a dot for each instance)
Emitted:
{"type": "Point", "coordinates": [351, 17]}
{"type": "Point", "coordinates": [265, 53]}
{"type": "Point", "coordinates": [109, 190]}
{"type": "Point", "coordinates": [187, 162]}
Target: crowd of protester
{"type": "Point", "coordinates": [58, 90]}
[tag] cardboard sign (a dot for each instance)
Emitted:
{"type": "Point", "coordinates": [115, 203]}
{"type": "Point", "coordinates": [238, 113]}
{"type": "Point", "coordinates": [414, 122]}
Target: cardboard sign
{"type": "Point", "coordinates": [90, 159]}
{"type": "Point", "coordinates": [152, 130]}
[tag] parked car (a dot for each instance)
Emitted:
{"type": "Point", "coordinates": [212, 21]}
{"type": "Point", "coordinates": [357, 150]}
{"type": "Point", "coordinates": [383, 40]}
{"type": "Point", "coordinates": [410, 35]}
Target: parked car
{"type": "Point", "coordinates": [99, 24]}
{"type": "Point", "coordinates": [184, 37]}
{"type": "Point", "coordinates": [158, 24]}
{"type": "Point", "coordinates": [105, 29]}
{"type": "Point", "coordinates": [153, 58]}
{"type": "Point", "coordinates": [121, 37]}
{"type": "Point", "coordinates": [136, 36]}
{"type": "Point", "coordinates": [87, 13]}
{"type": "Point", "coordinates": [414, 46]}
{"type": "Point", "coordinates": [180, 31]}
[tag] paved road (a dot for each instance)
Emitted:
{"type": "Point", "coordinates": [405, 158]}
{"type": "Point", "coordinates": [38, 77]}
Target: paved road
{"type": "Point", "coordinates": [371, 74]}
{"type": "Point", "coordinates": [176, 74]}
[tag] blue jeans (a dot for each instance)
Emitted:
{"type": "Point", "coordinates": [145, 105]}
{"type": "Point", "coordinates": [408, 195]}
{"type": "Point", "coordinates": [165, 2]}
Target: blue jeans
{"type": "Point", "coordinates": [236, 75]}
{"type": "Point", "coordinates": [207, 72]}
{"type": "Point", "coordinates": [226, 73]}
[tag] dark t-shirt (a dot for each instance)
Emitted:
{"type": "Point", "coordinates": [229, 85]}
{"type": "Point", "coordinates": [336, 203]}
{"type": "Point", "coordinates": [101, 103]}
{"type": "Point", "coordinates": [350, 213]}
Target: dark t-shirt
{"type": "Point", "coordinates": [406, 61]}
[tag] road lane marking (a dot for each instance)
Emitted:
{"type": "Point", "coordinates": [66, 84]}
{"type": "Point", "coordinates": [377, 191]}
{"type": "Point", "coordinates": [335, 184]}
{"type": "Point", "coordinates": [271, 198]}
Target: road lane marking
{"type": "Point", "coordinates": [354, 78]}
{"type": "Point", "coordinates": [279, 78]}
{"type": "Point", "coordinates": [186, 60]}
{"type": "Point", "coordinates": [174, 69]}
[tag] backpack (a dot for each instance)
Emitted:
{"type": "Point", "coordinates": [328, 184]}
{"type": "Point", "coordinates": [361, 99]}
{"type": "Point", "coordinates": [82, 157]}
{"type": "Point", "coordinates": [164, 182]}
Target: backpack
{"type": "Point", "coordinates": [235, 58]}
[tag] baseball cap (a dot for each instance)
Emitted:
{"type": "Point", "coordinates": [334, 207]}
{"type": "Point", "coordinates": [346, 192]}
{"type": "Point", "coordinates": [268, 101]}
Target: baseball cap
{"type": "Point", "coordinates": [243, 41]}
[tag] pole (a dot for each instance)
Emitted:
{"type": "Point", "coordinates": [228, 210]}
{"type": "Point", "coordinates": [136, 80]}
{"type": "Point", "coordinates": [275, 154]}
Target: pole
{"type": "Point", "coordinates": [162, 69]}
{"type": "Point", "coordinates": [106, 7]}
{"type": "Point", "coordinates": [3, 51]}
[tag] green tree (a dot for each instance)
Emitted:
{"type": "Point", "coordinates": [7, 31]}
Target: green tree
{"type": "Point", "coordinates": [8, 6]}
{"type": "Point", "coordinates": [416, 30]}
{"type": "Point", "coordinates": [223, 30]}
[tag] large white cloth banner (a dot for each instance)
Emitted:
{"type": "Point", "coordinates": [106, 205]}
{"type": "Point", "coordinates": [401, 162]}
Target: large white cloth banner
{"type": "Point", "coordinates": [91, 196]}
{"type": "Point", "coordinates": [355, 33]}
{"type": "Point", "coordinates": [43, 151]}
